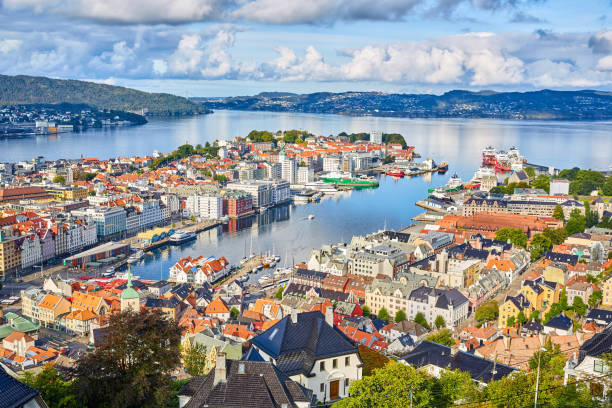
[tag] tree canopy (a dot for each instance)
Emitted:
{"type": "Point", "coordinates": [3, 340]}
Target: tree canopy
{"type": "Point", "coordinates": [444, 336]}
{"type": "Point", "coordinates": [487, 311]}
{"type": "Point", "coordinates": [514, 235]}
{"type": "Point", "coordinates": [383, 314]}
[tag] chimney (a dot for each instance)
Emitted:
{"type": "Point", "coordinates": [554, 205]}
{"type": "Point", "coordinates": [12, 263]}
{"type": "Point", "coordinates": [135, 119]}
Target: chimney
{"type": "Point", "coordinates": [220, 370]}
{"type": "Point", "coordinates": [454, 349]}
{"type": "Point", "coordinates": [329, 315]}
{"type": "Point", "coordinates": [294, 315]}
{"type": "Point", "coordinates": [580, 336]}
{"type": "Point", "coordinates": [507, 341]}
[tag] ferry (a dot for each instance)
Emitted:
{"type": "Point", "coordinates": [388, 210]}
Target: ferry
{"type": "Point", "coordinates": [395, 173]}
{"type": "Point", "coordinates": [443, 168]}
{"type": "Point", "coordinates": [182, 236]}
{"type": "Point", "coordinates": [345, 180]}
{"type": "Point", "coordinates": [502, 161]}
{"type": "Point", "coordinates": [311, 217]}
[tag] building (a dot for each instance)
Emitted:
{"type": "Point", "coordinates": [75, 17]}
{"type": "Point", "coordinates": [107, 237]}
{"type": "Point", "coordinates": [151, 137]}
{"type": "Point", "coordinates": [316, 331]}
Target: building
{"type": "Point", "coordinates": [382, 260]}
{"type": "Point", "coordinates": [237, 203]}
{"type": "Point", "coordinates": [69, 193]}
{"type": "Point", "coordinates": [559, 187]}
{"type": "Point", "coordinates": [436, 358]}
{"type": "Point", "coordinates": [130, 299]}
{"type": "Point", "coordinates": [309, 349]}
{"type": "Point", "coordinates": [264, 193]}
{"type": "Point", "coordinates": [539, 207]}
{"type": "Point", "coordinates": [16, 194]}
{"type": "Point", "coordinates": [394, 295]}
{"type": "Point", "coordinates": [205, 206]}
{"type": "Point", "coordinates": [305, 175]}
{"type": "Point", "coordinates": [51, 309]}
{"type": "Point", "coordinates": [512, 306]}
{"type": "Point", "coordinates": [10, 257]}
{"type": "Point", "coordinates": [243, 384]}
{"type": "Point", "coordinates": [450, 304]}
{"type": "Point", "coordinates": [110, 221]}
{"type": "Point", "coordinates": [16, 394]}
{"type": "Point", "coordinates": [376, 137]}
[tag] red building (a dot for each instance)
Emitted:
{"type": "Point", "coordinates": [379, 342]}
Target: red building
{"type": "Point", "coordinates": [237, 204]}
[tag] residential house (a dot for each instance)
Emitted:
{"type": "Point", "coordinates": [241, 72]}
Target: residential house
{"type": "Point", "coordinates": [512, 306]}
{"type": "Point", "coordinates": [51, 309]}
{"type": "Point", "coordinates": [309, 349]}
{"type": "Point", "coordinates": [170, 308]}
{"type": "Point", "coordinates": [560, 324]}
{"type": "Point", "coordinates": [86, 301]}
{"type": "Point", "coordinates": [17, 394]}
{"type": "Point", "coordinates": [79, 321]}
{"type": "Point", "coordinates": [218, 308]}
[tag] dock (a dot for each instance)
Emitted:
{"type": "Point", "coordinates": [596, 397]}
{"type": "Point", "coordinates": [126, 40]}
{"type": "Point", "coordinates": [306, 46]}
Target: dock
{"type": "Point", "coordinates": [246, 268]}
{"type": "Point", "coordinates": [196, 228]}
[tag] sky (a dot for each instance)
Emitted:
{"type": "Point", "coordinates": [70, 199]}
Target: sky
{"type": "Point", "coordinates": [243, 47]}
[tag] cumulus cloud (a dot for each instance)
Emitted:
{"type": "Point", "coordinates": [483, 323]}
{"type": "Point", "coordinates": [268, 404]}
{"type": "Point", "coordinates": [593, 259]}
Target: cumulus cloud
{"type": "Point", "coordinates": [605, 63]}
{"type": "Point", "coordinates": [522, 17]}
{"type": "Point", "coordinates": [9, 45]}
{"type": "Point", "coordinates": [601, 43]}
{"type": "Point", "coordinates": [265, 11]}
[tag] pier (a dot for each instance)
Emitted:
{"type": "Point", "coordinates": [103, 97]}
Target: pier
{"type": "Point", "coordinates": [246, 268]}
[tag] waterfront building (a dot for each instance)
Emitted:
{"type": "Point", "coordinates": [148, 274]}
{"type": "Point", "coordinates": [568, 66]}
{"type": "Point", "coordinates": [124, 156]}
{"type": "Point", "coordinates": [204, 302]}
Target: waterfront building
{"type": "Point", "coordinates": [539, 207]}
{"type": "Point", "coordinates": [205, 206]}
{"type": "Point", "coordinates": [305, 175]}
{"type": "Point", "coordinates": [237, 203]}
{"type": "Point", "coordinates": [379, 260]}
{"type": "Point", "coordinates": [110, 221]}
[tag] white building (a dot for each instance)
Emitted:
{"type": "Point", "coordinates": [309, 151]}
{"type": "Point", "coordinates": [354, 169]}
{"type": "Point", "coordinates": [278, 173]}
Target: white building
{"type": "Point", "coordinates": [150, 213]}
{"type": "Point", "coordinates": [289, 170]}
{"type": "Point", "coordinates": [31, 251]}
{"type": "Point", "coordinates": [376, 137]}
{"type": "Point", "coordinates": [305, 175]}
{"type": "Point", "coordinates": [559, 187]}
{"type": "Point", "coordinates": [205, 206]}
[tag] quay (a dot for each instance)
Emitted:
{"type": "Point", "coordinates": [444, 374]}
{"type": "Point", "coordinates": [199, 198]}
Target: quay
{"type": "Point", "coordinates": [246, 268]}
{"type": "Point", "coordinates": [196, 228]}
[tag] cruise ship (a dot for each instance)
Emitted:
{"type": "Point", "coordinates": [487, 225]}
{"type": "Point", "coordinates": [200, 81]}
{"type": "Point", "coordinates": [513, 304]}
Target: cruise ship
{"type": "Point", "coordinates": [502, 161]}
{"type": "Point", "coordinates": [182, 236]}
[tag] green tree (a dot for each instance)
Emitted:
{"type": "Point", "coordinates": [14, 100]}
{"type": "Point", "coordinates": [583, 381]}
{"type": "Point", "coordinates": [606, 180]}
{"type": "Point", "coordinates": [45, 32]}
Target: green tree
{"type": "Point", "coordinates": [556, 236]}
{"type": "Point", "coordinates": [521, 318]}
{"type": "Point", "coordinates": [576, 223]}
{"type": "Point", "coordinates": [234, 313]}
{"type": "Point", "coordinates": [558, 213]}
{"type": "Point", "coordinates": [420, 319]}
{"type": "Point", "coordinates": [132, 367]}
{"type": "Point", "coordinates": [513, 235]}
{"type": "Point", "coordinates": [444, 336]}
{"type": "Point", "coordinates": [92, 193]}
{"type": "Point", "coordinates": [540, 243]}
{"type": "Point", "coordinates": [279, 293]}
{"type": "Point", "coordinates": [488, 311]}
{"type": "Point", "coordinates": [530, 171]}
{"type": "Point", "coordinates": [59, 179]}
{"type": "Point", "coordinates": [56, 392]}
{"type": "Point", "coordinates": [542, 181]}
{"type": "Point", "coordinates": [595, 298]}
{"type": "Point", "coordinates": [591, 217]}
{"type": "Point", "coordinates": [366, 311]}
{"type": "Point", "coordinates": [535, 315]}
{"type": "Point", "coordinates": [400, 316]}
{"type": "Point", "coordinates": [511, 321]}
{"type": "Point", "coordinates": [195, 359]}
{"type": "Point", "coordinates": [383, 314]}
{"type": "Point", "coordinates": [579, 306]}
{"type": "Point", "coordinates": [607, 187]}
{"type": "Point", "coordinates": [439, 322]}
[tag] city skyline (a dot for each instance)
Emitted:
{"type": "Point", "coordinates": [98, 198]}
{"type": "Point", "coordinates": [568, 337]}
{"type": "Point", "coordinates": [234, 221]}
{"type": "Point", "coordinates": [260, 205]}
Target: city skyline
{"type": "Point", "coordinates": [214, 48]}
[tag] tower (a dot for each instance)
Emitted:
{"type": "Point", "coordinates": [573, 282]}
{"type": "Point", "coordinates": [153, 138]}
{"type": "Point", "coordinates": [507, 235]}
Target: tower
{"type": "Point", "coordinates": [130, 299]}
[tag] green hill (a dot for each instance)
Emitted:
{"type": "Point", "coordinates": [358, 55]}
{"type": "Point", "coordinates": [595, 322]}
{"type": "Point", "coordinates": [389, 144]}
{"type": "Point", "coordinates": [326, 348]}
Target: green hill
{"type": "Point", "coordinates": [25, 90]}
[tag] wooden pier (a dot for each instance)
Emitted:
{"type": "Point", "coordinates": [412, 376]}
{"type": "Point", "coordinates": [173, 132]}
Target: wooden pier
{"type": "Point", "coordinates": [246, 267]}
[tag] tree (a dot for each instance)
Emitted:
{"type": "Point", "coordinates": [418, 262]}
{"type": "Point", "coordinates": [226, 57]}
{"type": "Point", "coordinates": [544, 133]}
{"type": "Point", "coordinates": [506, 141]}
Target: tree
{"type": "Point", "coordinates": [439, 322]}
{"type": "Point", "coordinates": [556, 236]}
{"type": "Point", "coordinates": [132, 367]}
{"type": "Point", "coordinates": [579, 306]}
{"type": "Point", "coordinates": [538, 246]}
{"type": "Point", "coordinates": [279, 293]}
{"type": "Point", "coordinates": [542, 181]}
{"type": "Point", "coordinates": [595, 298]}
{"type": "Point", "coordinates": [195, 359]}
{"type": "Point", "coordinates": [521, 318]}
{"type": "Point", "coordinates": [530, 171]}
{"type": "Point", "coordinates": [535, 315]}
{"type": "Point", "coordinates": [420, 319]}
{"type": "Point", "coordinates": [56, 392]}
{"type": "Point", "coordinates": [591, 217]}
{"type": "Point", "coordinates": [558, 213]}
{"type": "Point", "coordinates": [487, 311]}
{"type": "Point", "coordinates": [400, 316]}
{"type": "Point", "coordinates": [59, 179]}
{"type": "Point", "coordinates": [513, 235]}
{"type": "Point", "coordinates": [607, 187]}
{"type": "Point", "coordinates": [366, 311]}
{"type": "Point", "coordinates": [383, 314]}
{"type": "Point", "coordinates": [372, 360]}
{"type": "Point", "coordinates": [444, 336]}
{"type": "Point", "coordinates": [234, 313]}
{"type": "Point", "coordinates": [92, 193]}
{"type": "Point", "coordinates": [576, 223]}
{"type": "Point", "coordinates": [511, 321]}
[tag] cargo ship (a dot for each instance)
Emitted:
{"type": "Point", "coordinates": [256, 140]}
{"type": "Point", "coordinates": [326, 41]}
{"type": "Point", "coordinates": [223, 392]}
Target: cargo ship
{"type": "Point", "coordinates": [342, 180]}
{"type": "Point", "coordinates": [501, 161]}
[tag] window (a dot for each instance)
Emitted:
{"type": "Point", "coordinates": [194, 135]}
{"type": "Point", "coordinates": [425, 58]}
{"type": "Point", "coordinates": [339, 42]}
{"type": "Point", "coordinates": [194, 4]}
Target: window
{"type": "Point", "coordinates": [335, 363]}
{"type": "Point", "coordinates": [598, 366]}
{"type": "Point", "coordinates": [322, 387]}
{"type": "Point", "coordinates": [347, 361]}
{"type": "Point", "coordinates": [322, 366]}
{"type": "Point", "coordinates": [346, 382]}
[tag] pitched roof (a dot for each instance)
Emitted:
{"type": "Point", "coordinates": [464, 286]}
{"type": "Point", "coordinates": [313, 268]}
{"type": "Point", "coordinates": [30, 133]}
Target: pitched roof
{"type": "Point", "coordinates": [14, 393]}
{"type": "Point", "coordinates": [480, 369]}
{"type": "Point", "coordinates": [296, 346]}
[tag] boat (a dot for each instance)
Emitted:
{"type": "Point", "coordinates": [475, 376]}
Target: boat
{"type": "Point", "coordinates": [344, 180]}
{"type": "Point", "coordinates": [225, 219]}
{"type": "Point", "coordinates": [135, 257]}
{"type": "Point", "coordinates": [264, 279]}
{"type": "Point", "coordinates": [502, 161]}
{"type": "Point", "coordinates": [443, 168]}
{"type": "Point", "coordinates": [258, 267]}
{"type": "Point", "coordinates": [395, 173]}
{"type": "Point", "coordinates": [182, 236]}
{"type": "Point", "coordinates": [311, 217]}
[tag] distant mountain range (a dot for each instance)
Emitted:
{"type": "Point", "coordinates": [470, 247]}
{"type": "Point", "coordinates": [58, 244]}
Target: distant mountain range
{"type": "Point", "coordinates": [26, 90]}
{"type": "Point", "coordinates": [538, 105]}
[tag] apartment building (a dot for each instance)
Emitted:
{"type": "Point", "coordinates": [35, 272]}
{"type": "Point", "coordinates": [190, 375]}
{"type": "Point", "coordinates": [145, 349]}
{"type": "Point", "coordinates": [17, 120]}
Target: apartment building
{"type": "Point", "coordinates": [205, 206]}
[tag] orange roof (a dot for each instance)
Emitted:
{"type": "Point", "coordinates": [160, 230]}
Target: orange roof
{"type": "Point", "coordinates": [86, 301]}
{"type": "Point", "coordinates": [217, 306]}
{"type": "Point", "coordinates": [16, 336]}
{"type": "Point", "coordinates": [50, 302]}
{"type": "Point", "coordinates": [501, 264]}
{"type": "Point", "coordinates": [82, 315]}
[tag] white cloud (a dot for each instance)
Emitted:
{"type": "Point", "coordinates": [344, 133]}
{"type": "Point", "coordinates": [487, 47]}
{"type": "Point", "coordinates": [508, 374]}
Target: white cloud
{"type": "Point", "coordinates": [604, 64]}
{"type": "Point", "coordinates": [7, 46]}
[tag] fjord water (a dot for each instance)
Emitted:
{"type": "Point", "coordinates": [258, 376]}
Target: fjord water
{"type": "Point", "coordinates": [286, 229]}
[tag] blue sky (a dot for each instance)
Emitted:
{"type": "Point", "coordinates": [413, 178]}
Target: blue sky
{"type": "Point", "coordinates": [239, 47]}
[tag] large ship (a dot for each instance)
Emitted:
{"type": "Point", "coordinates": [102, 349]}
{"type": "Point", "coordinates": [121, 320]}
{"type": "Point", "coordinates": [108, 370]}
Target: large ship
{"type": "Point", "coordinates": [395, 173]}
{"type": "Point", "coordinates": [502, 161]}
{"type": "Point", "coordinates": [182, 236]}
{"type": "Point", "coordinates": [344, 180]}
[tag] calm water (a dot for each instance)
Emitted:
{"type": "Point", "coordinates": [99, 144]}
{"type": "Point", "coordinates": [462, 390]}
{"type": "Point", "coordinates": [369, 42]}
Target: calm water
{"type": "Point", "coordinates": [286, 229]}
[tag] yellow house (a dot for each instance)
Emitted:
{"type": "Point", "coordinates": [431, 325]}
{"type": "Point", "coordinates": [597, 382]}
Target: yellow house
{"type": "Point", "coordinates": [512, 306]}
{"type": "Point", "coordinates": [541, 295]}
{"type": "Point", "coordinates": [51, 308]}
{"type": "Point", "coordinates": [555, 273]}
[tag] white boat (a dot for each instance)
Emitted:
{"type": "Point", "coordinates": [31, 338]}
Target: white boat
{"type": "Point", "coordinates": [311, 217]}
{"type": "Point", "coordinates": [124, 275]}
{"type": "Point", "coordinates": [182, 236]}
{"type": "Point", "coordinates": [483, 172]}
{"type": "Point", "coordinates": [135, 257]}
{"type": "Point", "coordinates": [264, 279]}
{"type": "Point", "coordinates": [277, 258]}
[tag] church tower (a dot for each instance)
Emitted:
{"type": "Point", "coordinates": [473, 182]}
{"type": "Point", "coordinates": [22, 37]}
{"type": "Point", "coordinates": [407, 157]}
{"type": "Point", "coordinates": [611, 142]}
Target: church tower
{"type": "Point", "coordinates": [130, 299]}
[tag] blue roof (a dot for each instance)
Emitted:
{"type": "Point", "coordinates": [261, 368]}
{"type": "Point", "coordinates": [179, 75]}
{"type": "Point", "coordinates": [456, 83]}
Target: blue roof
{"type": "Point", "coordinates": [296, 346]}
{"type": "Point", "coordinates": [13, 392]}
{"type": "Point", "coordinates": [252, 355]}
{"type": "Point", "coordinates": [379, 323]}
{"type": "Point", "coordinates": [600, 314]}
{"type": "Point", "coordinates": [560, 322]}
